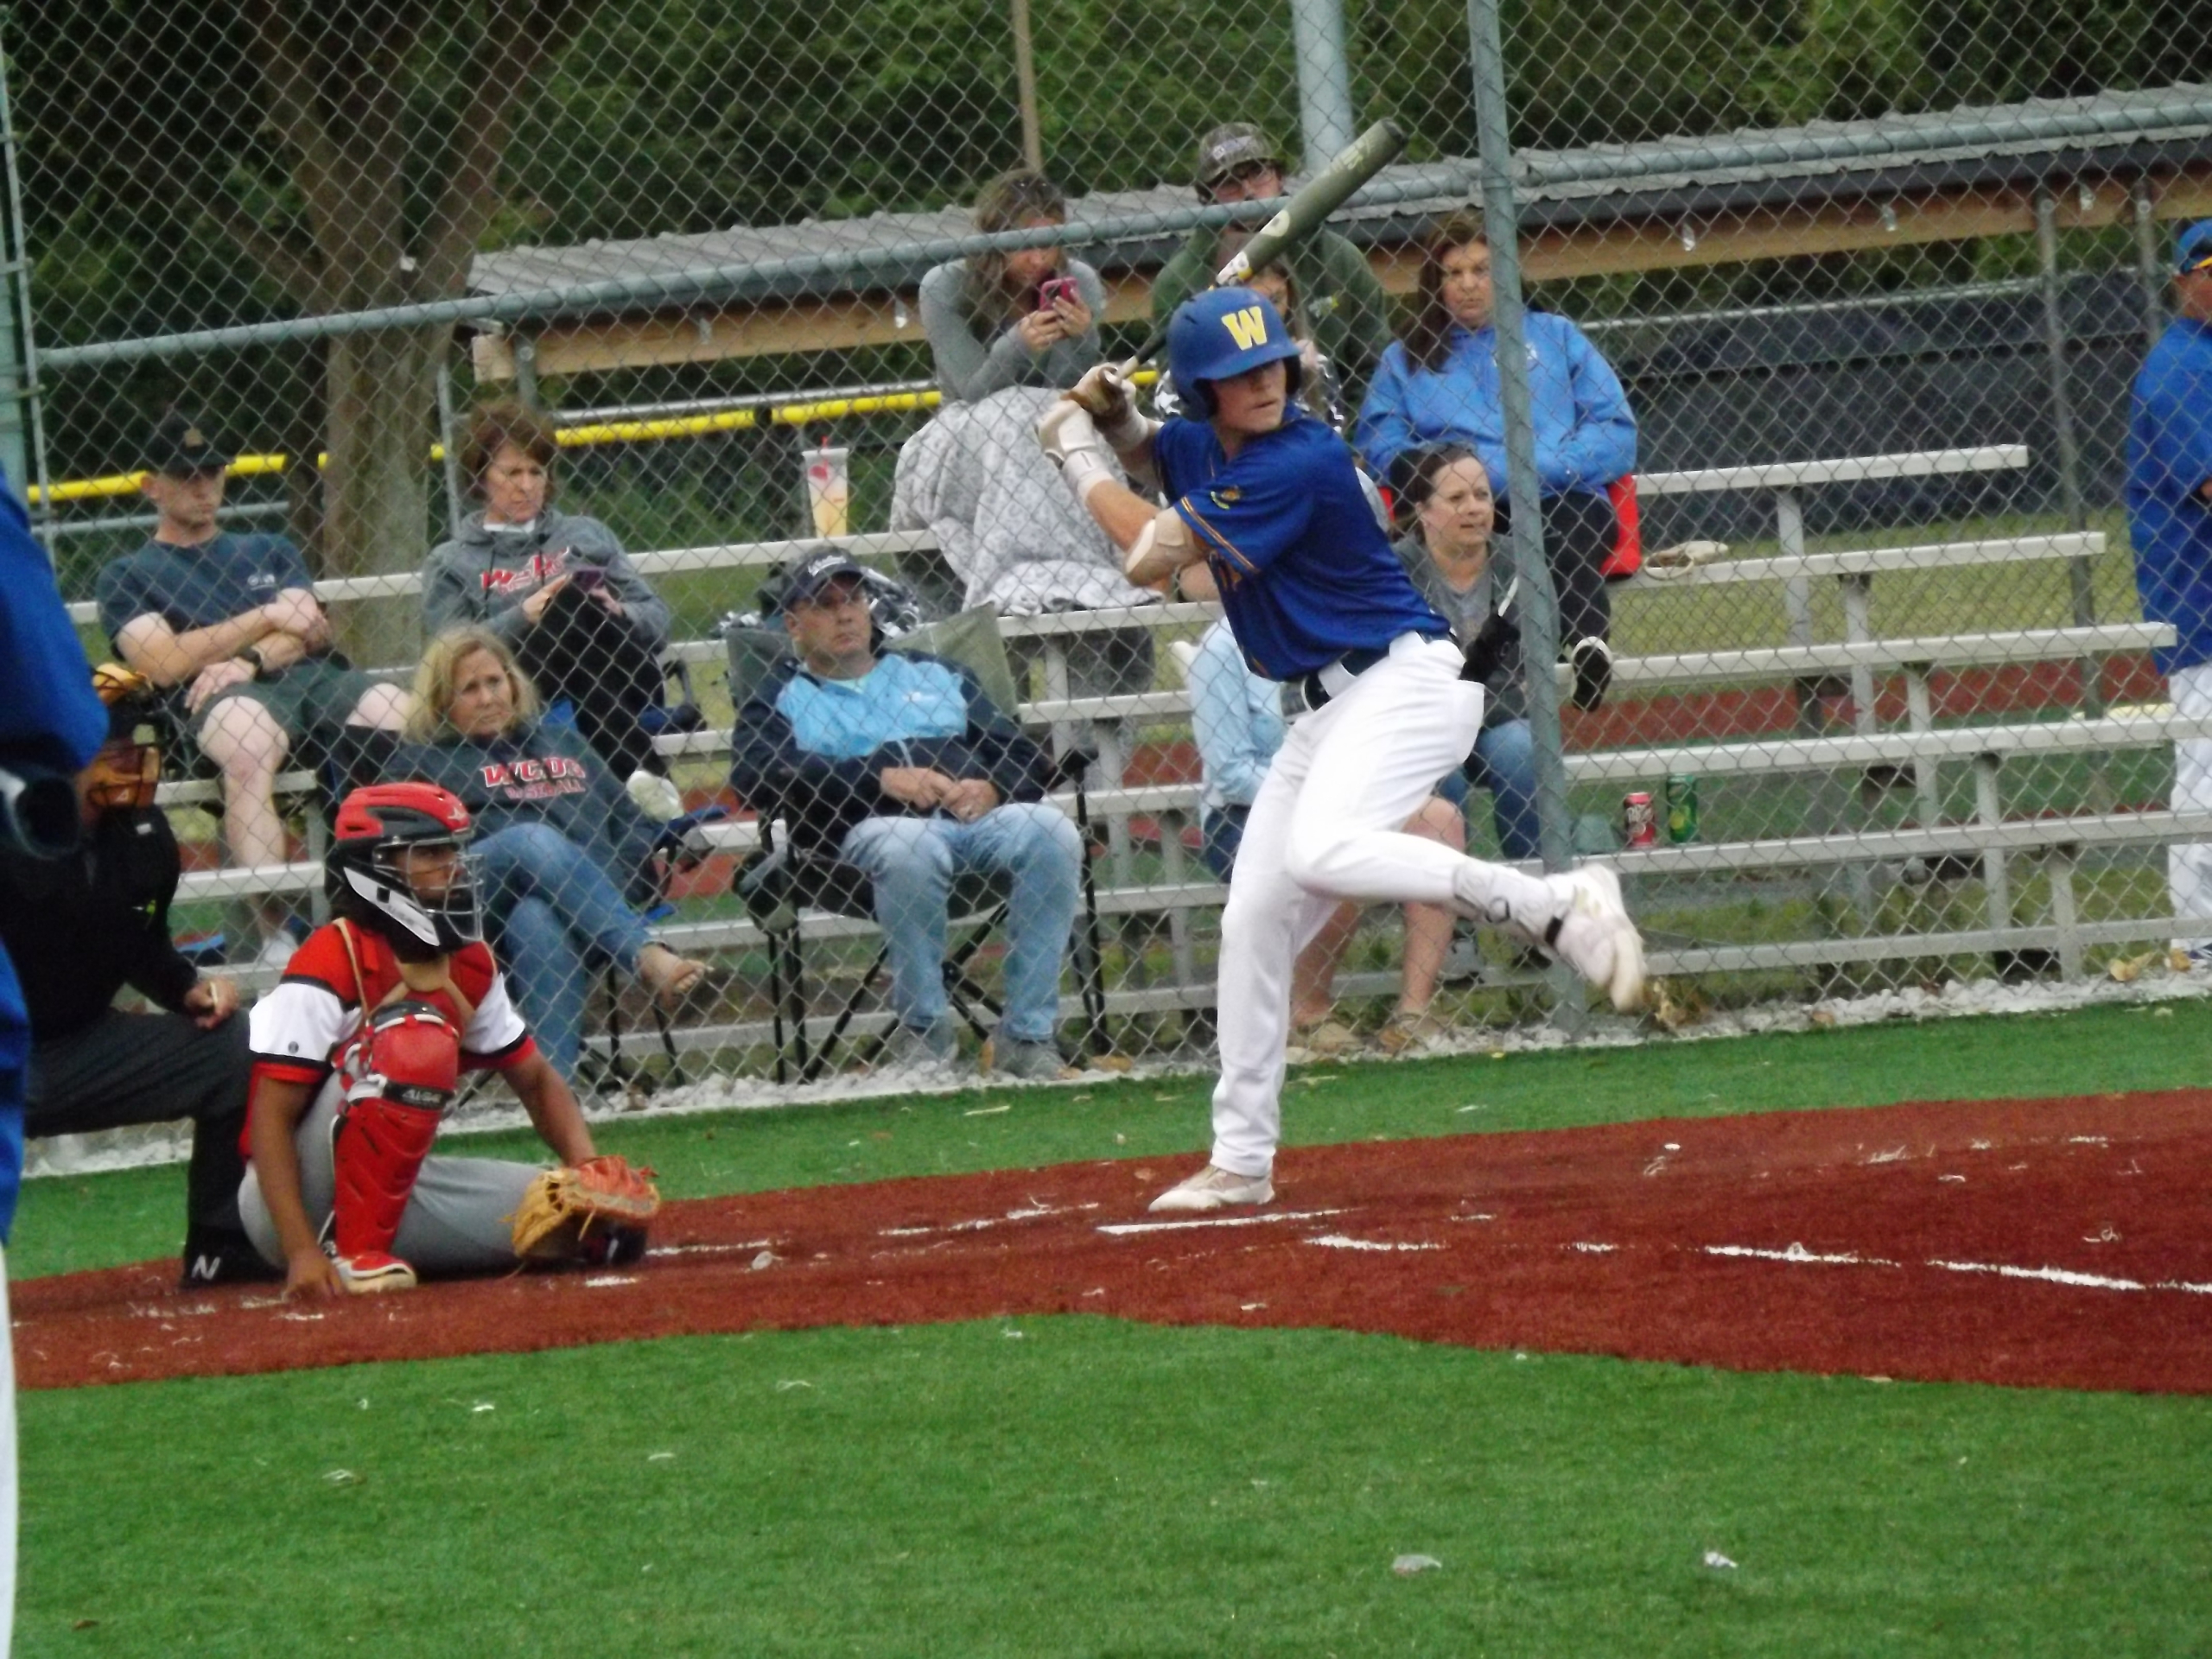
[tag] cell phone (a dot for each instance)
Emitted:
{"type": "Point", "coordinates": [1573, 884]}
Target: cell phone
{"type": "Point", "coordinates": [1053, 290]}
{"type": "Point", "coordinates": [585, 577]}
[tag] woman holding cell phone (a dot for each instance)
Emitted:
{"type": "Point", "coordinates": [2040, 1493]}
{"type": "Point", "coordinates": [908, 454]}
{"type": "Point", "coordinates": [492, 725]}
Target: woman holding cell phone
{"type": "Point", "coordinates": [1026, 318]}
{"type": "Point", "coordinates": [557, 590]}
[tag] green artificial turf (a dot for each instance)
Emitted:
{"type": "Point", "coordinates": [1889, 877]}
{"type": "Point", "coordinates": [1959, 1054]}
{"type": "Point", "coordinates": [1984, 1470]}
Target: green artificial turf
{"type": "Point", "coordinates": [1067, 1486]}
{"type": "Point", "coordinates": [93, 1221]}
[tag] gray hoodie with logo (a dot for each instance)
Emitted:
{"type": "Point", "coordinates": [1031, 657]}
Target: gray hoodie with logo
{"type": "Point", "coordinates": [483, 575]}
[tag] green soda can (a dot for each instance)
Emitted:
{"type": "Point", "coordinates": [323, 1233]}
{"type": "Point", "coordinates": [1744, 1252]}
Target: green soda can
{"type": "Point", "coordinates": [1681, 808]}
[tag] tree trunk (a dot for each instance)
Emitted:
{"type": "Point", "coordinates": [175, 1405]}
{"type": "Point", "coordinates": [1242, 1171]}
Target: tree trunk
{"type": "Point", "coordinates": [376, 496]}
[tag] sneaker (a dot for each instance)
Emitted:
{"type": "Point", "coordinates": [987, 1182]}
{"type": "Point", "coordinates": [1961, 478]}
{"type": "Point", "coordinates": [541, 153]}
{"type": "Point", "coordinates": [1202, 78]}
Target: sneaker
{"type": "Point", "coordinates": [921, 1056]}
{"type": "Point", "coordinates": [374, 1271]}
{"type": "Point", "coordinates": [1595, 936]}
{"type": "Point", "coordinates": [1008, 1056]}
{"type": "Point", "coordinates": [222, 1255]}
{"type": "Point", "coordinates": [1593, 661]}
{"type": "Point", "coordinates": [656, 797]}
{"type": "Point", "coordinates": [1215, 1188]}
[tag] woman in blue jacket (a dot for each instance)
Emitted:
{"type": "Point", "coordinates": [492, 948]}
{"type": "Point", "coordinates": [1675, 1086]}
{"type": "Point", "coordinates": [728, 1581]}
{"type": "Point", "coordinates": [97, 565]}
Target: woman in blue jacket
{"type": "Point", "coordinates": [559, 838]}
{"type": "Point", "coordinates": [1441, 384]}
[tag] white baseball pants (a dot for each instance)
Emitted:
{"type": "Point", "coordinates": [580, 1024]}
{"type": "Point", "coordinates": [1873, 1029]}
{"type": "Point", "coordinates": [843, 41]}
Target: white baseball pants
{"type": "Point", "coordinates": [1328, 826]}
{"type": "Point", "coordinates": [2188, 865]}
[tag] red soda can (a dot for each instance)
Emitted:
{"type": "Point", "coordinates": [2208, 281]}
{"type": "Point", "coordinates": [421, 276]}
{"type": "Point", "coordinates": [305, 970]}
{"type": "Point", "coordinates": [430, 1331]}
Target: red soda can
{"type": "Point", "coordinates": [1639, 823]}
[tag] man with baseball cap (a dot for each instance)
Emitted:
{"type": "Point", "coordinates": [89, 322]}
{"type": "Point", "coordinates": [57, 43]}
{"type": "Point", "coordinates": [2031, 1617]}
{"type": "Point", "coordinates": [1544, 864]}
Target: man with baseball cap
{"type": "Point", "coordinates": [900, 765]}
{"type": "Point", "coordinates": [1345, 313]}
{"type": "Point", "coordinates": [2169, 521]}
{"type": "Point", "coordinates": [227, 625]}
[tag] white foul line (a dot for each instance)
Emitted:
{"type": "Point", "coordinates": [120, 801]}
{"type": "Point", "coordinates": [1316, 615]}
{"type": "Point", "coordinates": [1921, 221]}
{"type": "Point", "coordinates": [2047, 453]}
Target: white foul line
{"type": "Point", "coordinates": [1124, 1229]}
{"type": "Point", "coordinates": [1799, 1252]}
{"type": "Point", "coordinates": [2066, 1276]}
{"type": "Point", "coordinates": [1034, 1212]}
{"type": "Point", "coordinates": [1339, 1242]}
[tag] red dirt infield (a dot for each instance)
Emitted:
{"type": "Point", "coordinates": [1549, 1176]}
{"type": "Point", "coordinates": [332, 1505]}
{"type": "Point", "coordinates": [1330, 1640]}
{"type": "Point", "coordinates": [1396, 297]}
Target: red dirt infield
{"type": "Point", "coordinates": [2050, 1242]}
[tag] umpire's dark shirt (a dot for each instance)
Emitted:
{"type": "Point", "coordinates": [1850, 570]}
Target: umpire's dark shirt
{"type": "Point", "coordinates": [80, 928]}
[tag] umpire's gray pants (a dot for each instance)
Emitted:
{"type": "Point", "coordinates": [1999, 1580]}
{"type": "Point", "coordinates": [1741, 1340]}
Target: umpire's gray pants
{"type": "Point", "coordinates": [456, 1222]}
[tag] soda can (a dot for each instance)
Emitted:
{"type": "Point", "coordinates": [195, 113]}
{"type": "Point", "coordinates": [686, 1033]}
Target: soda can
{"type": "Point", "coordinates": [1639, 825]}
{"type": "Point", "coordinates": [1681, 808]}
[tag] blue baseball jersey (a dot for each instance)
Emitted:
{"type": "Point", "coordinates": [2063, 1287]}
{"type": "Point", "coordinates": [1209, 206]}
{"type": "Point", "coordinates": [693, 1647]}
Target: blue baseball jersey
{"type": "Point", "coordinates": [1304, 570]}
{"type": "Point", "coordinates": [197, 586]}
{"type": "Point", "coordinates": [2169, 463]}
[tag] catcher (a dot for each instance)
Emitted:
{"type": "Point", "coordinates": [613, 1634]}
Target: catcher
{"type": "Point", "coordinates": [357, 1055]}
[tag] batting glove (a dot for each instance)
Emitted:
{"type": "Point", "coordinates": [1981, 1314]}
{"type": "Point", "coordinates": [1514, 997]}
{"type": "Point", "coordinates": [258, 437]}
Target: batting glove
{"type": "Point", "coordinates": [1069, 437]}
{"type": "Point", "coordinates": [1106, 395]}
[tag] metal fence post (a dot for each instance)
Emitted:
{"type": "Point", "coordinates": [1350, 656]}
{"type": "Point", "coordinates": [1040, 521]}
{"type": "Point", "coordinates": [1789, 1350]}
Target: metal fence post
{"type": "Point", "coordinates": [23, 436]}
{"type": "Point", "coordinates": [450, 440]}
{"type": "Point", "coordinates": [2148, 262]}
{"type": "Point", "coordinates": [1539, 604]}
{"type": "Point", "coordinates": [1325, 115]}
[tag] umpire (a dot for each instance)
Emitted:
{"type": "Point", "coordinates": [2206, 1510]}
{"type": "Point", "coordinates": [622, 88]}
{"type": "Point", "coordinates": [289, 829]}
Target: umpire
{"type": "Point", "coordinates": [79, 929]}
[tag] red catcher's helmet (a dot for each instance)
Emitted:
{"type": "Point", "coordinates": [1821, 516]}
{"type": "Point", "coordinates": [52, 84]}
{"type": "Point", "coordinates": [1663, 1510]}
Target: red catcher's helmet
{"type": "Point", "coordinates": [366, 877]}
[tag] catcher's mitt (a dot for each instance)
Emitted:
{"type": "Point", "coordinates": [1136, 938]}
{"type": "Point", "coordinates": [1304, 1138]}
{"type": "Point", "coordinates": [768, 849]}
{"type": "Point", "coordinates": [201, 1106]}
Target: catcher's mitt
{"type": "Point", "coordinates": [596, 1211]}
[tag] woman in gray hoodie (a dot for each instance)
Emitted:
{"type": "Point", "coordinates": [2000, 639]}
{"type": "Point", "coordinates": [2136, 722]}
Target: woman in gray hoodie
{"type": "Point", "coordinates": [555, 587]}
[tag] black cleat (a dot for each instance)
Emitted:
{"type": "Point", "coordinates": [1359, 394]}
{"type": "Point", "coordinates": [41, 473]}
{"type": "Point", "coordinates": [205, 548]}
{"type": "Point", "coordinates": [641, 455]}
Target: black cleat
{"type": "Point", "coordinates": [1592, 661]}
{"type": "Point", "coordinates": [222, 1255]}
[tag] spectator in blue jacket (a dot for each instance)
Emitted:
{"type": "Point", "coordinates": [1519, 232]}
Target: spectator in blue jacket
{"type": "Point", "coordinates": [1441, 384]}
{"type": "Point", "coordinates": [900, 765]}
{"type": "Point", "coordinates": [2170, 520]}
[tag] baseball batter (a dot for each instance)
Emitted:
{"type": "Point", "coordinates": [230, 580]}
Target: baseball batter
{"type": "Point", "coordinates": [1269, 499]}
{"type": "Point", "coordinates": [357, 1054]}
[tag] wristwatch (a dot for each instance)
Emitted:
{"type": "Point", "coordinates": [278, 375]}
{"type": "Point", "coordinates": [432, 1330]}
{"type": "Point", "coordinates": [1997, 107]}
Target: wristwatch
{"type": "Point", "coordinates": [251, 654]}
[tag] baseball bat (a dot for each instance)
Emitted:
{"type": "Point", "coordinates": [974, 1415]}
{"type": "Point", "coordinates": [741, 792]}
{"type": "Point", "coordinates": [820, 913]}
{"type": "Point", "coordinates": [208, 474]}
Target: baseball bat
{"type": "Point", "coordinates": [1300, 216]}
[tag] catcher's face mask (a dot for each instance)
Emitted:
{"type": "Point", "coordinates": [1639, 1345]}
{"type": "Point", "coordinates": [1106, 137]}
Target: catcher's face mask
{"type": "Point", "coordinates": [428, 887]}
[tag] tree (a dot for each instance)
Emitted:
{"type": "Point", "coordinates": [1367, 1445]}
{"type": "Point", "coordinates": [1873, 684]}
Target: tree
{"type": "Point", "coordinates": [386, 209]}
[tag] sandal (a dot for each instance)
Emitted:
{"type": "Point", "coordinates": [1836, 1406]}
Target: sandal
{"type": "Point", "coordinates": [1325, 1038]}
{"type": "Point", "coordinates": [1407, 1034]}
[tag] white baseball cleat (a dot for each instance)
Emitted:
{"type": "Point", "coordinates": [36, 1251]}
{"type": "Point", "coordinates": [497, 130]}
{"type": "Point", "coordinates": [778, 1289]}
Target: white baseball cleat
{"type": "Point", "coordinates": [1215, 1188]}
{"type": "Point", "coordinates": [1594, 935]}
{"type": "Point", "coordinates": [372, 1272]}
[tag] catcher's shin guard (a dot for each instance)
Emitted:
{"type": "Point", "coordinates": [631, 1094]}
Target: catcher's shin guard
{"type": "Point", "coordinates": [398, 1077]}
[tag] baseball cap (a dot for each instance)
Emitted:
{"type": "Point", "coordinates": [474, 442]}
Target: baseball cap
{"type": "Point", "coordinates": [1230, 146]}
{"type": "Point", "coordinates": [2193, 252]}
{"type": "Point", "coordinates": [816, 572]}
{"type": "Point", "coordinates": [181, 446]}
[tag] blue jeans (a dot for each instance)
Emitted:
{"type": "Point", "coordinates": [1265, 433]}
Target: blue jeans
{"type": "Point", "coordinates": [555, 914]}
{"type": "Point", "coordinates": [1221, 831]}
{"type": "Point", "coordinates": [914, 862]}
{"type": "Point", "coordinates": [1504, 762]}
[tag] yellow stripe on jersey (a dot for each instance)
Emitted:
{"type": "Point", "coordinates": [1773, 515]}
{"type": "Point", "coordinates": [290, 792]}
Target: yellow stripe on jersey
{"type": "Point", "coordinates": [1197, 521]}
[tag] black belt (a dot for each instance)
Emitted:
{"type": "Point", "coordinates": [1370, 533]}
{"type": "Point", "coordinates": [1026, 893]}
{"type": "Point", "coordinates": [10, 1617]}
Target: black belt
{"type": "Point", "coordinates": [1352, 662]}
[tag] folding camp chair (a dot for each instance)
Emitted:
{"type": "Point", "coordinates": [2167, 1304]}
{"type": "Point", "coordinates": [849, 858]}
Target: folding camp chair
{"type": "Point", "coordinates": [779, 881]}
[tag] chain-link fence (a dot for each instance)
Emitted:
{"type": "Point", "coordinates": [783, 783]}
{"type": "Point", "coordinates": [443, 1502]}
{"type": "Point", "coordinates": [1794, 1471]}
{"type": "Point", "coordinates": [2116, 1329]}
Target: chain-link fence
{"type": "Point", "coordinates": [585, 324]}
